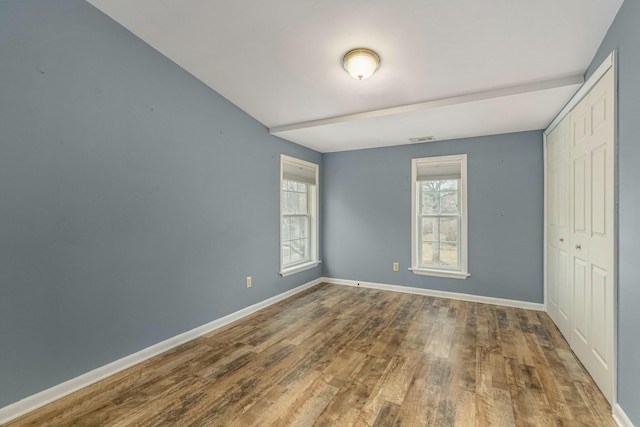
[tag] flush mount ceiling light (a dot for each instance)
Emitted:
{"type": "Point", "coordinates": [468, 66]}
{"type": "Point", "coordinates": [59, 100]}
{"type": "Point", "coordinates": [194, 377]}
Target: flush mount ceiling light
{"type": "Point", "coordinates": [361, 63]}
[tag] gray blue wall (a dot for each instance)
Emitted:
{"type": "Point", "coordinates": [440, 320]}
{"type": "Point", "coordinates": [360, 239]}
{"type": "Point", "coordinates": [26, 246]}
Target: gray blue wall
{"type": "Point", "coordinates": [134, 200]}
{"type": "Point", "coordinates": [367, 215]}
{"type": "Point", "coordinates": [624, 35]}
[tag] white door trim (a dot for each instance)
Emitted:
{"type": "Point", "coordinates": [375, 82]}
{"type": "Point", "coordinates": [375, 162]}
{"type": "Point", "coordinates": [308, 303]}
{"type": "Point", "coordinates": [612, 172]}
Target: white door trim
{"type": "Point", "coordinates": [609, 62]}
{"type": "Point", "coordinates": [545, 222]}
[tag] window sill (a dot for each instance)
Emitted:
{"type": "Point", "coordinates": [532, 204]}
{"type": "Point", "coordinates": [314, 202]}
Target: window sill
{"type": "Point", "coordinates": [440, 273]}
{"type": "Point", "coordinates": [299, 268]}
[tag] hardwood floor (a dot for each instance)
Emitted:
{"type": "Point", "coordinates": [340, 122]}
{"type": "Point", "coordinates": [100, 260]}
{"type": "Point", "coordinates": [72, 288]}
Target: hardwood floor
{"type": "Point", "coordinates": [340, 356]}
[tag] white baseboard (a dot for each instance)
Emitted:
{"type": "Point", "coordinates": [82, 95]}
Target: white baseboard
{"type": "Point", "coordinates": [620, 417]}
{"type": "Point", "coordinates": [439, 294]}
{"type": "Point", "coordinates": [56, 392]}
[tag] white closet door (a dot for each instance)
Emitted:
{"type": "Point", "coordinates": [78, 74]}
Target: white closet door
{"type": "Point", "coordinates": [592, 232]}
{"type": "Point", "coordinates": [558, 239]}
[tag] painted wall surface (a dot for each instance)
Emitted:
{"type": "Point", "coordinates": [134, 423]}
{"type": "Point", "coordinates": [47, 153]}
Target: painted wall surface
{"type": "Point", "coordinates": [134, 200]}
{"type": "Point", "coordinates": [367, 215]}
{"type": "Point", "coordinates": [624, 35]}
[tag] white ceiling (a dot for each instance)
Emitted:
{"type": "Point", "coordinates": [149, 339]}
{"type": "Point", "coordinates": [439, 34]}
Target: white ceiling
{"type": "Point", "coordinates": [456, 68]}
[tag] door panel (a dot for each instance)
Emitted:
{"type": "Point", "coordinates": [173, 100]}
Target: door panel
{"type": "Point", "coordinates": [592, 238]}
{"type": "Point", "coordinates": [553, 198]}
{"type": "Point", "coordinates": [580, 298]}
{"type": "Point", "coordinates": [564, 308]}
{"type": "Point", "coordinates": [579, 199]}
{"type": "Point", "coordinates": [599, 309]}
{"type": "Point", "coordinates": [562, 188]}
{"type": "Point", "coordinates": [598, 190]}
{"type": "Point", "coordinates": [558, 261]}
{"type": "Point", "coordinates": [579, 125]}
{"type": "Point", "coordinates": [553, 275]}
{"type": "Point", "coordinates": [564, 297]}
{"type": "Point", "coordinates": [599, 111]}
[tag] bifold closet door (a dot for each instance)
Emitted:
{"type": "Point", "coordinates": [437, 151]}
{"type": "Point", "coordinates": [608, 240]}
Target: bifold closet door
{"type": "Point", "coordinates": [559, 297]}
{"type": "Point", "coordinates": [592, 231]}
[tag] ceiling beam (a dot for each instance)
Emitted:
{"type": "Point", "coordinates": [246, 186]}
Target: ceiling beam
{"type": "Point", "coordinates": [576, 79]}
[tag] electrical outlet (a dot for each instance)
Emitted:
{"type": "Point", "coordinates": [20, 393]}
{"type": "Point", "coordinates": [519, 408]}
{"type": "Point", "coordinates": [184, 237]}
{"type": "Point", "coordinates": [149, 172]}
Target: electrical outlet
{"type": "Point", "coordinates": [249, 282]}
{"type": "Point", "coordinates": [396, 266]}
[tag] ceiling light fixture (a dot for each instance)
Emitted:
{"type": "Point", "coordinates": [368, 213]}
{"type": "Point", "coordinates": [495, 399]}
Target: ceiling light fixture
{"type": "Point", "coordinates": [361, 63]}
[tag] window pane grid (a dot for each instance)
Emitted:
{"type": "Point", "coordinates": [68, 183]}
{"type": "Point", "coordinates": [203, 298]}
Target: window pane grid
{"type": "Point", "coordinates": [295, 197]}
{"type": "Point", "coordinates": [296, 223]}
{"type": "Point", "coordinates": [439, 224]}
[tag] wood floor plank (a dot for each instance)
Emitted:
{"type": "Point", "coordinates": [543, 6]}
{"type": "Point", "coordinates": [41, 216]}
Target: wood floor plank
{"type": "Point", "coordinates": [304, 410]}
{"type": "Point", "coordinates": [345, 356]}
{"type": "Point", "coordinates": [387, 415]}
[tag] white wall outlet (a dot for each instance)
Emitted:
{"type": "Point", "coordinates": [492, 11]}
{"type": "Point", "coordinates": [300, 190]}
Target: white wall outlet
{"type": "Point", "coordinates": [248, 281]}
{"type": "Point", "coordinates": [396, 266]}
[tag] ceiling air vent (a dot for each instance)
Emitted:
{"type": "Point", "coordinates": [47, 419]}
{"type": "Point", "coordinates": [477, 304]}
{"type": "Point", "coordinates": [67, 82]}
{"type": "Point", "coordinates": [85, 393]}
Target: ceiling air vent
{"type": "Point", "coordinates": [423, 139]}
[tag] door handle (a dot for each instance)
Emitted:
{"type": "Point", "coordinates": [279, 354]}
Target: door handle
{"type": "Point", "coordinates": [578, 247]}
{"type": "Point", "coordinates": [561, 239]}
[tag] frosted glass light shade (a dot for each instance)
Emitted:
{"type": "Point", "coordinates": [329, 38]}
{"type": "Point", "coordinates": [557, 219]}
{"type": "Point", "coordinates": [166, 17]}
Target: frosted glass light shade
{"type": "Point", "coordinates": [361, 63]}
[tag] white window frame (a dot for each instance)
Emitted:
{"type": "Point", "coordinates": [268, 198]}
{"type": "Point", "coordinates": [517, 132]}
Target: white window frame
{"type": "Point", "coordinates": [463, 271]}
{"type": "Point", "coordinates": [313, 201]}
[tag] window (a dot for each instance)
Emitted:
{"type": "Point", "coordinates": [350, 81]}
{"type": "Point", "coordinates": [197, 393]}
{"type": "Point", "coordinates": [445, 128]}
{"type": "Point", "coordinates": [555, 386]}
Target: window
{"type": "Point", "coordinates": [298, 215]}
{"type": "Point", "coordinates": [439, 216]}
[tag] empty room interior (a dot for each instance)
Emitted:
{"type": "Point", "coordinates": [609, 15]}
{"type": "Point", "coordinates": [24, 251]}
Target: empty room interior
{"type": "Point", "coordinates": [336, 213]}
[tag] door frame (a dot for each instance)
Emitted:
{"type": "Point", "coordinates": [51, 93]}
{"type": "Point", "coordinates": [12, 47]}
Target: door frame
{"type": "Point", "coordinates": [610, 62]}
